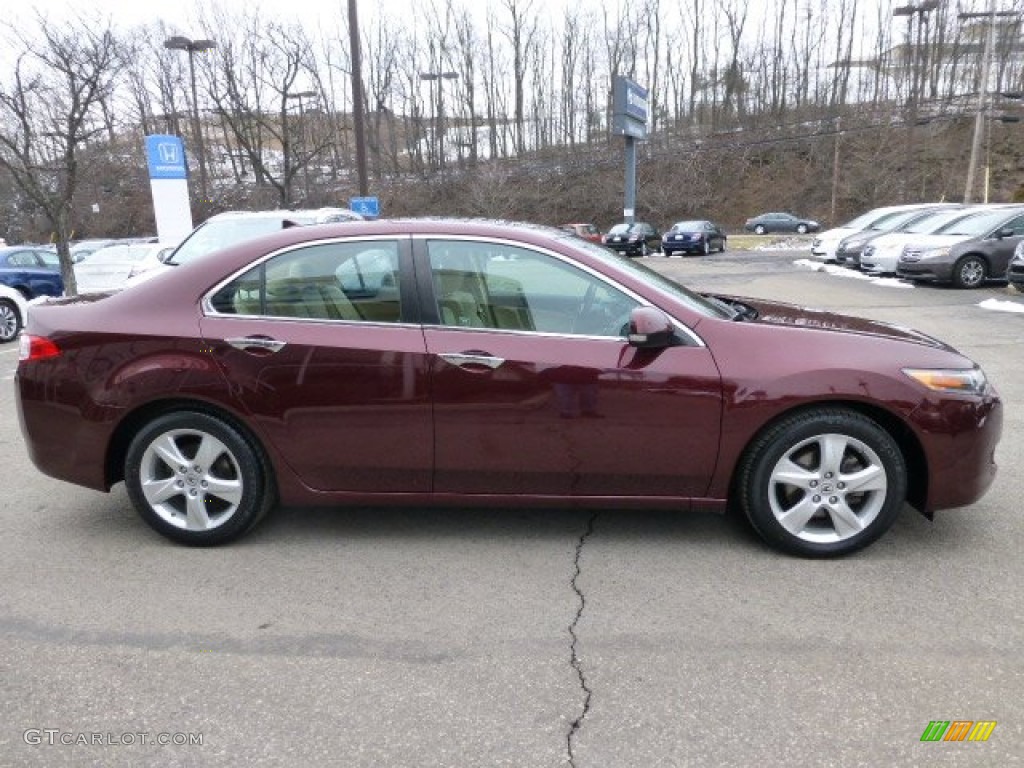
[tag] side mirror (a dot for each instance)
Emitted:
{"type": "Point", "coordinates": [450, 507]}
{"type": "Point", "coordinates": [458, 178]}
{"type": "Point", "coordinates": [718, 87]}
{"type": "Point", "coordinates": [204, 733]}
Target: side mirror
{"type": "Point", "coordinates": [650, 328]}
{"type": "Point", "coordinates": [1005, 232]}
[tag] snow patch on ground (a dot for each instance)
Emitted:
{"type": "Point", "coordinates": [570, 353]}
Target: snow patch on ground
{"type": "Point", "coordinates": [1002, 306]}
{"type": "Point", "coordinates": [833, 269]}
{"type": "Point", "coordinates": [792, 244]}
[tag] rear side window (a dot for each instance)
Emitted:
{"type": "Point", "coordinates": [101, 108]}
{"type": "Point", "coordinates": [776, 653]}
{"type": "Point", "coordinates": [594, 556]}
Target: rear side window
{"type": "Point", "coordinates": [328, 281]}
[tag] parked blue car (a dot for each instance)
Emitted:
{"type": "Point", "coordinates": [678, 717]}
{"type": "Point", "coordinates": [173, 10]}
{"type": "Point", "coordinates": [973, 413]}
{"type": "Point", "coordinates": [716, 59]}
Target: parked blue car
{"type": "Point", "coordinates": [31, 270]}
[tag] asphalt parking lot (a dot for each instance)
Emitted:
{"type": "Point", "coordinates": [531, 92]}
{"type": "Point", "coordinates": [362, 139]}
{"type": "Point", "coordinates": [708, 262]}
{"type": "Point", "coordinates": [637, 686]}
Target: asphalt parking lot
{"type": "Point", "coordinates": [486, 637]}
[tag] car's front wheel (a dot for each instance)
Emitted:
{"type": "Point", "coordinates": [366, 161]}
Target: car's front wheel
{"type": "Point", "coordinates": [706, 248]}
{"type": "Point", "coordinates": [823, 482]}
{"type": "Point", "coordinates": [969, 272]}
{"type": "Point", "coordinates": [196, 479]}
{"type": "Point", "coordinates": [10, 321]}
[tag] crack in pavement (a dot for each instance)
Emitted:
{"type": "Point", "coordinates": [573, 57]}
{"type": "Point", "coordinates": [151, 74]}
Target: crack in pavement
{"type": "Point", "coordinates": [574, 659]}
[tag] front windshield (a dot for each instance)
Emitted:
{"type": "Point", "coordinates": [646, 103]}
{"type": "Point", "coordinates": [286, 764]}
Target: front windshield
{"type": "Point", "coordinates": [216, 234]}
{"type": "Point", "coordinates": [933, 222]}
{"type": "Point", "coordinates": [896, 220]}
{"type": "Point", "coordinates": [976, 225]}
{"type": "Point", "coordinates": [693, 300]}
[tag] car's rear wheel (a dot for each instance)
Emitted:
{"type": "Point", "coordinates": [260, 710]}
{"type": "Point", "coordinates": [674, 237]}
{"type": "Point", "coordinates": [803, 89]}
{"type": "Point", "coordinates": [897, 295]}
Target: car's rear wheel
{"type": "Point", "coordinates": [822, 483]}
{"type": "Point", "coordinates": [195, 479]}
{"type": "Point", "coordinates": [801, 229]}
{"type": "Point", "coordinates": [721, 246]}
{"type": "Point", "coordinates": [759, 229]}
{"type": "Point", "coordinates": [10, 321]}
{"type": "Point", "coordinates": [969, 272]}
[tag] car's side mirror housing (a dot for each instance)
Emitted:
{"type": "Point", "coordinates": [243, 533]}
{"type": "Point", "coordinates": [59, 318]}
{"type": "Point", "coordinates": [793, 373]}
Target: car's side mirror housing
{"type": "Point", "coordinates": [1005, 232]}
{"type": "Point", "coordinates": [650, 328]}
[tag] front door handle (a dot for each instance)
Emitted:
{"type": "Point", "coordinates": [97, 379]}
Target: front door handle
{"type": "Point", "coordinates": [263, 343]}
{"type": "Point", "coordinates": [466, 360]}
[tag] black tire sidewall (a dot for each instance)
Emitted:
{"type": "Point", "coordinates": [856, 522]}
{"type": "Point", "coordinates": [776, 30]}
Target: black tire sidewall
{"type": "Point", "coordinates": [255, 491]}
{"type": "Point", "coordinates": [959, 268]}
{"type": "Point", "coordinates": [775, 442]}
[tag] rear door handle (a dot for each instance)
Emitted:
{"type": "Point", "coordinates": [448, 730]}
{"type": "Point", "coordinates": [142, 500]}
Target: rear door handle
{"type": "Point", "coordinates": [247, 343]}
{"type": "Point", "coordinates": [466, 360]}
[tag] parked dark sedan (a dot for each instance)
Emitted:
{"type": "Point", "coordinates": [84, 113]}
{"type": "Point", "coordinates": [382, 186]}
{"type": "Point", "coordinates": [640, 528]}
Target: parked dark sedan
{"type": "Point", "coordinates": [31, 270]}
{"type": "Point", "coordinates": [698, 236]}
{"type": "Point", "coordinates": [768, 223]}
{"type": "Point", "coordinates": [475, 363]}
{"type": "Point", "coordinates": [967, 252]}
{"type": "Point", "coordinates": [636, 239]}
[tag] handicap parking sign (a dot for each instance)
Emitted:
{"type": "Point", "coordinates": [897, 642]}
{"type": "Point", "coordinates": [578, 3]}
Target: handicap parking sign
{"type": "Point", "coordinates": [365, 206]}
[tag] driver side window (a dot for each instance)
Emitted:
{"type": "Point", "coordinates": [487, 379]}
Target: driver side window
{"type": "Point", "coordinates": [490, 285]}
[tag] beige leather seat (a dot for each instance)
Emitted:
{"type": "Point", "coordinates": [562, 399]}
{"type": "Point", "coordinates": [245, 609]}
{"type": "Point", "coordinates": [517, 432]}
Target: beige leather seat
{"type": "Point", "coordinates": [320, 294]}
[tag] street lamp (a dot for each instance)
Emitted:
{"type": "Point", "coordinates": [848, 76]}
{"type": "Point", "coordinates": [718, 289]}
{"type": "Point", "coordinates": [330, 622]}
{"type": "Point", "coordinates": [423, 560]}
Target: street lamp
{"type": "Point", "coordinates": [439, 119]}
{"type": "Point", "coordinates": [300, 97]}
{"type": "Point", "coordinates": [179, 43]}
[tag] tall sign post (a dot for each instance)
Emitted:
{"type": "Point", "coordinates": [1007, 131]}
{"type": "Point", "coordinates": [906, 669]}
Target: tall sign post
{"type": "Point", "coordinates": [629, 119]}
{"type": "Point", "coordinates": [168, 180]}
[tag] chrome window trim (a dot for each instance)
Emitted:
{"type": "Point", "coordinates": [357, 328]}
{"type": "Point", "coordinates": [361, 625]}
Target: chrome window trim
{"type": "Point", "coordinates": [208, 310]}
{"type": "Point", "coordinates": [206, 304]}
{"type": "Point", "coordinates": [697, 340]}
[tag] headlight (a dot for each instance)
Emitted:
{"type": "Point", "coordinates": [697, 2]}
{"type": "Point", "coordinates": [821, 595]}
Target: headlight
{"type": "Point", "coordinates": [968, 382]}
{"type": "Point", "coordinates": [935, 253]}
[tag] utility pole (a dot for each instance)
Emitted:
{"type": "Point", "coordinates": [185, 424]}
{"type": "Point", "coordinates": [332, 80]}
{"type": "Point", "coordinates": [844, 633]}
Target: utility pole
{"type": "Point", "coordinates": [983, 92]}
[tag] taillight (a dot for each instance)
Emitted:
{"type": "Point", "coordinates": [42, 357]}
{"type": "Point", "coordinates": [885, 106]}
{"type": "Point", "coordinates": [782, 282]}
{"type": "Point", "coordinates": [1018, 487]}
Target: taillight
{"type": "Point", "coordinates": [36, 348]}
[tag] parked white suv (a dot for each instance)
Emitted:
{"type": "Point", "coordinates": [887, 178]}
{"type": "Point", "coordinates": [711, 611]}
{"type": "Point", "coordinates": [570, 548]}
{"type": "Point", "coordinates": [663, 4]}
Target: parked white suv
{"type": "Point", "coordinates": [231, 227]}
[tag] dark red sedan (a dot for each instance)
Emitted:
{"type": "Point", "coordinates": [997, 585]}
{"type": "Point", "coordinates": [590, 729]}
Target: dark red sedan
{"type": "Point", "coordinates": [475, 363]}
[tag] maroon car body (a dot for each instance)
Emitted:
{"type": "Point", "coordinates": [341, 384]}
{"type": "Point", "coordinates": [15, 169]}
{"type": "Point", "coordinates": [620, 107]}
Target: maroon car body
{"type": "Point", "coordinates": [667, 399]}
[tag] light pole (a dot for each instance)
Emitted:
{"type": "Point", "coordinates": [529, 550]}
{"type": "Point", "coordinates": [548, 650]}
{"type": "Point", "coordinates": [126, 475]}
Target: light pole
{"type": "Point", "coordinates": [179, 43]}
{"type": "Point", "coordinates": [440, 77]}
{"type": "Point", "coordinates": [300, 97]}
{"type": "Point", "coordinates": [916, 77]}
{"type": "Point", "coordinates": [983, 89]}
{"type": "Point", "coordinates": [357, 97]}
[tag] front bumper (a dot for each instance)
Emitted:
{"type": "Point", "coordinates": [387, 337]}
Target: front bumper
{"type": "Point", "coordinates": [960, 438]}
{"type": "Point", "coordinates": [925, 271]}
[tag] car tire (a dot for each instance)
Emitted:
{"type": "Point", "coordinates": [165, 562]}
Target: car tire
{"type": "Point", "coordinates": [196, 479]}
{"type": "Point", "coordinates": [759, 229]}
{"type": "Point", "coordinates": [969, 272]}
{"type": "Point", "coordinates": [10, 321]}
{"type": "Point", "coordinates": [721, 246]}
{"type": "Point", "coordinates": [801, 229]}
{"type": "Point", "coordinates": [644, 249]}
{"type": "Point", "coordinates": [707, 248]}
{"type": "Point", "coordinates": [795, 482]}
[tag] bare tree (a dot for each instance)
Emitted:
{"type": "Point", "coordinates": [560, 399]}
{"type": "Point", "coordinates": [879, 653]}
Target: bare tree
{"type": "Point", "coordinates": [51, 108]}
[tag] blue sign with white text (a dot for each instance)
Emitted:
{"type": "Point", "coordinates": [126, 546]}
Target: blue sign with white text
{"type": "Point", "coordinates": [365, 206]}
{"type": "Point", "coordinates": [166, 157]}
